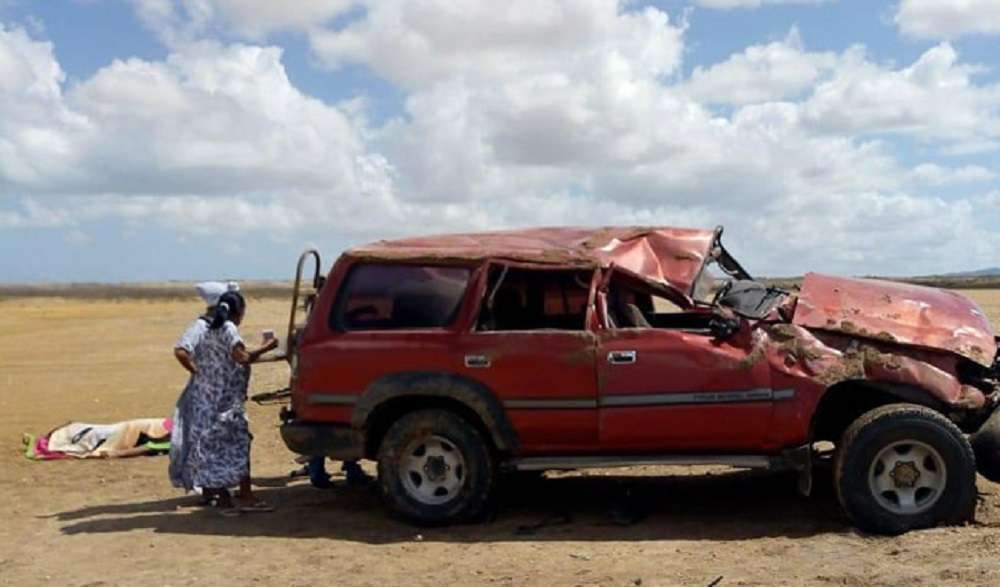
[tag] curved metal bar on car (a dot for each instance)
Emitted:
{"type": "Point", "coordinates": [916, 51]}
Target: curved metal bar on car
{"type": "Point", "coordinates": [290, 344]}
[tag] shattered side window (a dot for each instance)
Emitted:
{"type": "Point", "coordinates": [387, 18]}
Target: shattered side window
{"type": "Point", "coordinates": [394, 296]}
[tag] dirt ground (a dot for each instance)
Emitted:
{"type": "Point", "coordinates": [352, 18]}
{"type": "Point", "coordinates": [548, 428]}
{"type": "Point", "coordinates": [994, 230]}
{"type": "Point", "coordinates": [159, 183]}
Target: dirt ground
{"type": "Point", "coordinates": [119, 522]}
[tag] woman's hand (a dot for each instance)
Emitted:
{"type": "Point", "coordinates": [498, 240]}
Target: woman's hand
{"type": "Point", "coordinates": [244, 357]}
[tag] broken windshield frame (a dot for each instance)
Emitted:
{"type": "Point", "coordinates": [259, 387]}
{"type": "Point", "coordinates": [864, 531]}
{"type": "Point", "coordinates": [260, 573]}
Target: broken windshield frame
{"type": "Point", "coordinates": [735, 288]}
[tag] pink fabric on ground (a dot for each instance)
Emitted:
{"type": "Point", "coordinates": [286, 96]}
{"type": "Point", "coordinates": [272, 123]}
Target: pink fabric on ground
{"type": "Point", "coordinates": [43, 453]}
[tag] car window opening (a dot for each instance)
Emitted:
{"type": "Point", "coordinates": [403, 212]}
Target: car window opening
{"type": "Point", "coordinates": [535, 299]}
{"type": "Point", "coordinates": [630, 305]}
{"type": "Point", "coordinates": [396, 296]}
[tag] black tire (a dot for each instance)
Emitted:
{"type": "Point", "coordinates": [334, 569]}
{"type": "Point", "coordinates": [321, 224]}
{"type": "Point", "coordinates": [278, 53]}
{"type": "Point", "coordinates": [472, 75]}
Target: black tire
{"type": "Point", "coordinates": [905, 429]}
{"type": "Point", "coordinates": [436, 430]}
{"type": "Point", "coordinates": [986, 445]}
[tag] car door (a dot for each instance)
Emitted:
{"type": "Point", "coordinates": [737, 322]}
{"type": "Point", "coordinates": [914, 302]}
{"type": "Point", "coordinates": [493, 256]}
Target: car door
{"type": "Point", "coordinates": [667, 384]}
{"type": "Point", "coordinates": [532, 347]}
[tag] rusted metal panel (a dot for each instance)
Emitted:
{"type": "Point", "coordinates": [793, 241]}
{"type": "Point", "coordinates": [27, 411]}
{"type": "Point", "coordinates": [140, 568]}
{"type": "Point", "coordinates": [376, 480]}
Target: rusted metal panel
{"type": "Point", "coordinates": [896, 313]}
{"type": "Point", "coordinates": [672, 256]}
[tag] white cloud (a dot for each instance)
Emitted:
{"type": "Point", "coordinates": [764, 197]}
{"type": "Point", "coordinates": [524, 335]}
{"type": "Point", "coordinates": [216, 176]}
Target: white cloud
{"type": "Point", "coordinates": [935, 98]}
{"type": "Point", "coordinates": [936, 175]}
{"type": "Point", "coordinates": [215, 119]}
{"type": "Point", "coordinates": [213, 136]}
{"type": "Point", "coordinates": [417, 43]}
{"type": "Point", "coordinates": [258, 18]}
{"type": "Point", "coordinates": [947, 19]}
{"type": "Point", "coordinates": [35, 214]}
{"type": "Point", "coordinates": [180, 21]}
{"type": "Point", "coordinates": [989, 200]}
{"type": "Point", "coordinates": [729, 4]}
{"type": "Point", "coordinates": [761, 73]}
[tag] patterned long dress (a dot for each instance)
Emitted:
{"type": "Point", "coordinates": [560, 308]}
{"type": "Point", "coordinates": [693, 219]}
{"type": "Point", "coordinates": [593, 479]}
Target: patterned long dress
{"type": "Point", "coordinates": [210, 442]}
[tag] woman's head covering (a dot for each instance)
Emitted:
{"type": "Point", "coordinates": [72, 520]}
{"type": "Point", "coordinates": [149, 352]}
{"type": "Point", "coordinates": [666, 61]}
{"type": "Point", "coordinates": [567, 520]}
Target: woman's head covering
{"type": "Point", "coordinates": [230, 304]}
{"type": "Point", "coordinates": [211, 291]}
{"type": "Point", "coordinates": [223, 299]}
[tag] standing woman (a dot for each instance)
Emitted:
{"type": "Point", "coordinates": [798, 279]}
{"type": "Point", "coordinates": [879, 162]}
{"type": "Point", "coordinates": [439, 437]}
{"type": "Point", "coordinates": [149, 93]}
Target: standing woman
{"type": "Point", "coordinates": [210, 441]}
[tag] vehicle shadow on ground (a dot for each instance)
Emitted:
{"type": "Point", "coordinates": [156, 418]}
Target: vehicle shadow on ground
{"type": "Point", "coordinates": [736, 505]}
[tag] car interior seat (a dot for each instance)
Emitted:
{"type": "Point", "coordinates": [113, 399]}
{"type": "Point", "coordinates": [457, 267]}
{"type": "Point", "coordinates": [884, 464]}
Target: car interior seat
{"type": "Point", "coordinates": [635, 318]}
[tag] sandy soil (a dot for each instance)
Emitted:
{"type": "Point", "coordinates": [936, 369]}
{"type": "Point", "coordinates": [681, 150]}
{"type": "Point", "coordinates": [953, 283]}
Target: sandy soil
{"type": "Point", "coordinates": [119, 522]}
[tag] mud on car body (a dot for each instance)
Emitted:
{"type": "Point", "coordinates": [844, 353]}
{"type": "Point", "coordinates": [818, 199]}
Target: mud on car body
{"type": "Point", "coordinates": [449, 359]}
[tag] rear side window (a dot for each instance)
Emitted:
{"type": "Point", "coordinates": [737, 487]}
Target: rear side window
{"type": "Point", "coordinates": [392, 296]}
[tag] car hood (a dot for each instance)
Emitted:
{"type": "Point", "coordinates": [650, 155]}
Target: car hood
{"type": "Point", "coordinates": [896, 312]}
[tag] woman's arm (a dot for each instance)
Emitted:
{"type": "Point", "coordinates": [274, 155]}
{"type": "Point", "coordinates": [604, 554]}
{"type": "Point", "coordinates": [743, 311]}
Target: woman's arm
{"type": "Point", "coordinates": [244, 357]}
{"type": "Point", "coordinates": [189, 341]}
{"type": "Point", "coordinates": [184, 358]}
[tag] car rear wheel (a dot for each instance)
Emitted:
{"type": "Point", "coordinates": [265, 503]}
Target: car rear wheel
{"type": "Point", "coordinates": [435, 467]}
{"type": "Point", "coordinates": [900, 467]}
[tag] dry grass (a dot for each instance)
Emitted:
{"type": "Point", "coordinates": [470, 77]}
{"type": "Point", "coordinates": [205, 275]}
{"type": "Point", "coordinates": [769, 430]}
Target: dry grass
{"type": "Point", "coordinates": [989, 301]}
{"type": "Point", "coordinates": [167, 290]}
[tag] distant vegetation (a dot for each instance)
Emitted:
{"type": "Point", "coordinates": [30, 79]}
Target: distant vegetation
{"type": "Point", "coordinates": [988, 272]}
{"type": "Point", "coordinates": [957, 281]}
{"type": "Point", "coordinates": [982, 279]}
{"type": "Point", "coordinates": [132, 291]}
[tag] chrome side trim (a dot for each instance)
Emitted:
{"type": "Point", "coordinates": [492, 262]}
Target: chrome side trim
{"type": "Point", "coordinates": [654, 399]}
{"type": "Point", "coordinates": [706, 397]}
{"type": "Point", "coordinates": [550, 404]}
{"type": "Point", "coordinates": [546, 463]}
{"type": "Point", "coordinates": [333, 399]}
{"type": "Point", "coordinates": [620, 401]}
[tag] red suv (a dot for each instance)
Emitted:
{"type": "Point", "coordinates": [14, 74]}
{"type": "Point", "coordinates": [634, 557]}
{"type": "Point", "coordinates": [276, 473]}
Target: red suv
{"type": "Point", "coordinates": [450, 359]}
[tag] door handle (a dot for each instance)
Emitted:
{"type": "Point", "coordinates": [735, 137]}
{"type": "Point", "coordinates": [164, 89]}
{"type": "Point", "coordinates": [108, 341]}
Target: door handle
{"type": "Point", "coordinates": [477, 361]}
{"type": "Point", "coordinates": [622, 357]}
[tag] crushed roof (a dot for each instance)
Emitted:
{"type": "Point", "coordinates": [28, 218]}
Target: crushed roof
{"type": "Point", "coordinates": [658, 253]}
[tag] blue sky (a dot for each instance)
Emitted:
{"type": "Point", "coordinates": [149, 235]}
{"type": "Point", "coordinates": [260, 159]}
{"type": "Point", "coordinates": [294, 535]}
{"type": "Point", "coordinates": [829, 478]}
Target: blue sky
{"type": "Point", "coordinates": [193, 139]}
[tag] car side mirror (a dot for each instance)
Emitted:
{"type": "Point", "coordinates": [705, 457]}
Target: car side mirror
{"type": "Point", "coordinates": [722, 327]}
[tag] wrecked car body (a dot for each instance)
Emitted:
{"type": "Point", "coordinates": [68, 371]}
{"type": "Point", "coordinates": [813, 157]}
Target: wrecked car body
{"type": "Point", "coordinates": [448, 358]}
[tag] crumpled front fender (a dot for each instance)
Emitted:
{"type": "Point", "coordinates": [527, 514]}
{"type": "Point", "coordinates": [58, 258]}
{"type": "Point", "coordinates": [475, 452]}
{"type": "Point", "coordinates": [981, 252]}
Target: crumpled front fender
{"type": "Point", "coordinates": [829, 358]}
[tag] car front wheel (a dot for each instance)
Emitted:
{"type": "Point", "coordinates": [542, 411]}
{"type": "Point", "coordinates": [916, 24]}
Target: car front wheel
{"type": "Point", "coordinates": [902, 466]}
{"type": "Point", "coordinates": [435, 467]}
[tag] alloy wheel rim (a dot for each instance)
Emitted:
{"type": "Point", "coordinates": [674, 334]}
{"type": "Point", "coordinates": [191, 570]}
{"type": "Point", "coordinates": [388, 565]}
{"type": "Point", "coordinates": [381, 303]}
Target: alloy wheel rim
{"type": "Point", "coordinates": [907, 477]}
{"type": "Point", "coordinates": [432, 469]}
